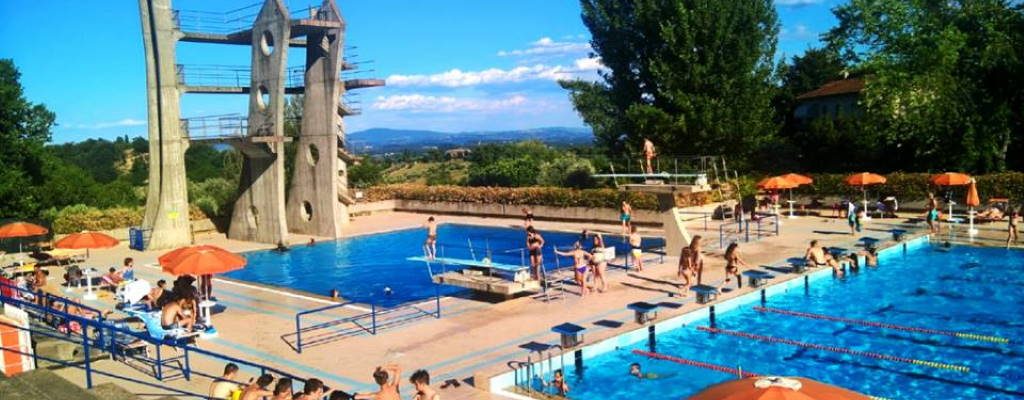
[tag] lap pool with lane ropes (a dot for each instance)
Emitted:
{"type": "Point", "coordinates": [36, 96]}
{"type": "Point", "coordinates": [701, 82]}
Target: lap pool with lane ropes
{"type": "Point", "coordinates": [923, 325]}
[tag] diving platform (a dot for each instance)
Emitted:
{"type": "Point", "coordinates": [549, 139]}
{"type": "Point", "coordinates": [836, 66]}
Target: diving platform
{"type": "Point", "coordinates": [484, 276]}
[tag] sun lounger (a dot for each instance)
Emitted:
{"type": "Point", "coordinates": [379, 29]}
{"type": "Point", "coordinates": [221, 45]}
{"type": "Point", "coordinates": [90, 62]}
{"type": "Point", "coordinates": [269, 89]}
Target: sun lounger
{"type": "Point", "coordinates": [155, 330]}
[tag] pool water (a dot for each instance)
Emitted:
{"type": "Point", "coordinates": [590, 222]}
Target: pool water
{"type": "Point", "coordinates": [975, 290]}
{"type": "Point", "coordinates": [361, 267]}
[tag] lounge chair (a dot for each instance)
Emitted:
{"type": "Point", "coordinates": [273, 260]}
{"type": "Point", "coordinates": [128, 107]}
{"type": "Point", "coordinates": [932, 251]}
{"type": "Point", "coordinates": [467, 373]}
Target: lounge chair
{"type": "Point", "coordinates": [155, 330]}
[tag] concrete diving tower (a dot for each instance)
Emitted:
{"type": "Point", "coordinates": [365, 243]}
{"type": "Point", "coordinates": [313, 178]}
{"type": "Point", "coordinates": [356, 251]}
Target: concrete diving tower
{"type": "Point", "coordinates": [658, 184]}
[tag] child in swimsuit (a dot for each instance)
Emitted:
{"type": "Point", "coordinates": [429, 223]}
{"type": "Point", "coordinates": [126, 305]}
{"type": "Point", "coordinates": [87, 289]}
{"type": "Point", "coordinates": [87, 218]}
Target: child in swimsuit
{"type": "Point", "coordinates": [580, 260]}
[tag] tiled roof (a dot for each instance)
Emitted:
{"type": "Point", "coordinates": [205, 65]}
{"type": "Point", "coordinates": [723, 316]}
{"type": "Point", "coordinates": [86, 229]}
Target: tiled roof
{"type": "Point", "coordinates": [844, 86]}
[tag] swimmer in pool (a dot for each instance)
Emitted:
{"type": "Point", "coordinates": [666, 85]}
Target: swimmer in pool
{"type": "Point", "coordinates": [635, 371]}
{"type": "Point", "coordinates": [558, 382]}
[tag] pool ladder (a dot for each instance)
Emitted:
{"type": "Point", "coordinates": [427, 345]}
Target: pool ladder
{"type": "Point", "coordinates": [526, 379]}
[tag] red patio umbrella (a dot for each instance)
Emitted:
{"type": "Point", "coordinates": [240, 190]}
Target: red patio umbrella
{"type": "Point", "coordinates": [864, 179]}
{"type": "Point", "coordinates": [86, 240]}
{"type": "Point", "coordinates": [21, 229]}
{"type": "Point", "coordinates": [776, 183]}
{"type": "Point", "coordinates": [950, 179]}
{"type": "Point", "coordinates": [798, 179]}
{"type": "Point", "coordinates": [776, 388]}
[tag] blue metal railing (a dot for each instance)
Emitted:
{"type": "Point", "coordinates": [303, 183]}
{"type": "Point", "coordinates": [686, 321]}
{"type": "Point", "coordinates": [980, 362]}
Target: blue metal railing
{"type": "Point", "coordinates": [375, 312]}
{"type": "Point", "coordinates": [703, 214]}
{"type": "Point", "coordinates": [106, 339]}
{"type": "Point", "coordinates": [764, 225]}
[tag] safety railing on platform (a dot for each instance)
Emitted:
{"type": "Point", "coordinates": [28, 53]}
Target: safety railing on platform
{"type": "Point", "coordinates": [215, 126]}
{"type": "Point", "coordinates": [694, 215]}
{"type": "Point", "coordinates": [673, 169]}
{"type": "Point", "coordinates": [375, 317]}
{"type": "Point", "coordinates": [121, 343]}
{"type": "Point", "coordinates": [230, 76]}
{"type": "Point", "coordinates": [743, 231]}
{"type": "Point", "coordinates": [221, 22]}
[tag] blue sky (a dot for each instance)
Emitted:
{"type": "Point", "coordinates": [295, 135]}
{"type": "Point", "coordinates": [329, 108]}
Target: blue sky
{"type": "Point", "coordinates": [451, 65]}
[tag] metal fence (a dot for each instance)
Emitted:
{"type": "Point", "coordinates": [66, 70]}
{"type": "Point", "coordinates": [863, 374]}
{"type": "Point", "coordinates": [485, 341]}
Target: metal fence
{"type": "Point", "coordinates": [743, 231]}
{"type": "Point", "coordinates": [379, 317]}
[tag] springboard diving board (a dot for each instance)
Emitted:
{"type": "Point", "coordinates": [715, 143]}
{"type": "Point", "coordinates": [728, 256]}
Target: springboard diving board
{"type": "Point", "coordinates": [489, 277]}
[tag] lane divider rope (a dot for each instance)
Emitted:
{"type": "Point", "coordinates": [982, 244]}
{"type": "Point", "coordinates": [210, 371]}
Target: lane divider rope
{"type": "Point", "coordinates": [842, 350]}
{"type": "Point", "coordinates": [961, 335]}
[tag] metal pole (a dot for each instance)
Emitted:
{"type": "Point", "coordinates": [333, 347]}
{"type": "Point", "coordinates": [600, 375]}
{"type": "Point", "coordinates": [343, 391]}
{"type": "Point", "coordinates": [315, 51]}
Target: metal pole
{"type": "Point", "coordinates": [437, 296]}
{"type": "Point", "coordinates": [747, 236]}
{"type": "Point", "coordinates": [188, 367]}
{"type": "Point", "coordinates": [298, 333]}
{"type": "Point", "coordinates": [88, 361]}
{"type": "Point", "coordinates": [373, 318]}
{"type": "Point", "coordinates": [159, 364]}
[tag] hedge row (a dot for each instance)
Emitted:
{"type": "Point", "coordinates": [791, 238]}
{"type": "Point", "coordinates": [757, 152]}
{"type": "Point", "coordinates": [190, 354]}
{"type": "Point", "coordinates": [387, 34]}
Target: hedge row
{"type": "Point", "coordinates": [916, 186]}
{"type": "Point", "coordinates": [540, 196]}
{"type": "Point", "coordinates": [80, 217]}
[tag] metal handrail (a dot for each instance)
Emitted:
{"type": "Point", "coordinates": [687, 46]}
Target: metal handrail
{"type": "Point", "coordinates": [298, 321]}
{"type": "Point", "coordinates": [104, 328]}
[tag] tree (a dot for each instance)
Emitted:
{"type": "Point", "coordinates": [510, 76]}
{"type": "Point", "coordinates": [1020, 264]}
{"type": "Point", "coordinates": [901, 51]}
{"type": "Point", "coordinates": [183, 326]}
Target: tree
{"type": "Point", "coordinates": [24, 130]}
{"type": "Point", "coordinates": [693, 76]}
{"type": "Point", "coordinates": [945, 80]}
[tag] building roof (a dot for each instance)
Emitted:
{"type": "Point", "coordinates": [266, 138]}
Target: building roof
{"type": "Point", "coordinates": [842, 86]}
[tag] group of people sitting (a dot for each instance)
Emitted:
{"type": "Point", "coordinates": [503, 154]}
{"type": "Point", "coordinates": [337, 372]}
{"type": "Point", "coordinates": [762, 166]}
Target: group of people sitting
{"type": "Point", "coordinates": [819, 256]}
{"type": "Point", "coordinates": [387, 377]}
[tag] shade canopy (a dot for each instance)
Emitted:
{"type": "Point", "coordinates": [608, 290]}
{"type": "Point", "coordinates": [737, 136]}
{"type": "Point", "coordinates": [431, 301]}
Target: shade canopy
{"type": "Point", "coordinates": [21, 229]}
{"type": "Point", "coordinates": [972, 195]}
{"type": "Point", "coordinates": [776, 388]}
{"type": "Point", "coordinates": [864, 179]}
{"type": "Point", "coordinates": [201, 260]}
{"type": "Point", "coordinates": [798, 179]}
{"type": "Point", "coordinates": [950, 179]}
{"type": "Point", "coordinates": [86, 240]}
{"type": "Point", "coordinates": [776, 183]}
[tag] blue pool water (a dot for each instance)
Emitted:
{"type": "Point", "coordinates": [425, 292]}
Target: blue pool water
{"type": "Point", "coordinates": [362, 267]}
{"type": "Point", "coordinates": [976, 290]}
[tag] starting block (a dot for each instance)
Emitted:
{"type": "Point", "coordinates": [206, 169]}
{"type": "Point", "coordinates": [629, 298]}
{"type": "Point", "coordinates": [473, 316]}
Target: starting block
{"type": "Point", "coordinates": [644, 311]}
{"type": "Point", "coordinates": [705, 293]}
{"type": "Point", "coordinates": [572, 334]}
{"type": "Point", "coordinates": [757, 278]}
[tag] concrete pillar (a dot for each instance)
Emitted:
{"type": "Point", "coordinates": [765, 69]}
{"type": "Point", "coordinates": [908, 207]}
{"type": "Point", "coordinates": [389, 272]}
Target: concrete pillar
{"type": "Point", "coordinates": [676, 234]}
{"type": "Point", "coordinates": [318, 175]}
{"type": "Point", "coordinates": [166, 198]}
{"type": "Point", "coordinates": [259, 212]}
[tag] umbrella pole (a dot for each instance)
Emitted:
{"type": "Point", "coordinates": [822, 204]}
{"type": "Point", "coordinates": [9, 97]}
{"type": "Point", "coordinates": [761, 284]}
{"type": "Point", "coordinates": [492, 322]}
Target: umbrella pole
{"type": "Point", "coordinates": [971, 231]}
{"type": "Point", "coordinates": [864, 190]}
{"type": "Point", "coordinates": [89, 295]}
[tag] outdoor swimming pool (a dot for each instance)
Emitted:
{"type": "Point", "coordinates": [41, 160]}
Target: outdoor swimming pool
{"type": "Point", "coordinates": [362, 267]}
{"type": "Point", "coordinates": [968, 290]}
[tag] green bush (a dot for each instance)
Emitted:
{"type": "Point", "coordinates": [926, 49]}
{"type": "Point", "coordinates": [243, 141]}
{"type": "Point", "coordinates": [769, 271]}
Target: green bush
{"type": "Point", "coordinates": [214, 196]}
{"type": "Point", "coordinates": [505, 172]}
{"type": "Point", "coordinates": [80, 217]}
{"type": "Point", "coordinates": [540, 196]}
{"type": "Point", "coordinates": [567, 171]}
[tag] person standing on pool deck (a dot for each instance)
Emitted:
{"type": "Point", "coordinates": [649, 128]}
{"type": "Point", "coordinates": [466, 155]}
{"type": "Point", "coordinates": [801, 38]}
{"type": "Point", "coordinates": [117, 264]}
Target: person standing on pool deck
{"type": "Point", "coordinates": [685, 269]}
{"type": "Point", "coordinates": [932, 217]}
{"type": "Point", "coordinates": [625, 215]}
{"type": "Point", "coordinates": [1011, 228]}
{"type": "Point", "coordinates": [528, 219]}
{"type": "Point", "coordinates": [600, 264]}
{"type": "Point", "coordinates": [579, 262]}
{"type": "Point", "coordinates": [649, 155]}
{"type": "Point", "coordinates": [535, 245]}
{"type": "Point", "coordinates": [732, 264]}
{"type": "Point", "coordinates": [696, 259]}
{"type": "Point", "coordinates": [635, 249]}
{"type": "Point", "coordinates": [430, 245]}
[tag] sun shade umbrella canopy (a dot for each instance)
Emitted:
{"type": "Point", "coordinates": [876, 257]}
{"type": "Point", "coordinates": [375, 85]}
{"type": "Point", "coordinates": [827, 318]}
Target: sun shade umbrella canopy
{"type": "Point", "coordinates": [863, 180]}
{"type": "Point", "coordinates": [798, 179]}
{"type": "Point", "coordinates": [86, 240]}
{"type": "Point", "coordinates": [950, 179]}
{"type": "Point", "coordinates": [170, 257]}
{"type": "Point", "coordinates": [201, 260]}
{"type": "Point", "coordinates": [776, 183]}
{"type": "Point", "coordinates": [776, 388]}
{"type": "Point", "coordinates": [21, 229]}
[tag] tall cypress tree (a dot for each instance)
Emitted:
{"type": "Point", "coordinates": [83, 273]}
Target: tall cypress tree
{"type": "Point", "coordinates": [694, 76]}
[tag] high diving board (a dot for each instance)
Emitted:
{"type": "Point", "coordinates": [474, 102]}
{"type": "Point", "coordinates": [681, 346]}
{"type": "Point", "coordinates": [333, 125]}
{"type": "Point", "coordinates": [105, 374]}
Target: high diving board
{"type": "Point", "coordinates": [484, 276]}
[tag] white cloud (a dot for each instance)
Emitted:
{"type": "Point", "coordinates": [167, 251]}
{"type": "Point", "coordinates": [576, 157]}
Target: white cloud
{"type": "Point", "coordinates": [110, 124]}
{"type": "Point", "coordinates": [589, 64]}
{"type": "Point", "coordinates": [798, 32]}
{"type": "Point", "coordinates": [547, 46]}
{"type": "Point", "coordinates": [460, 78]}
{"type": "Point", "coordinates": [796, 3]}
{"type": "Point", "coordinates": [446, 104]}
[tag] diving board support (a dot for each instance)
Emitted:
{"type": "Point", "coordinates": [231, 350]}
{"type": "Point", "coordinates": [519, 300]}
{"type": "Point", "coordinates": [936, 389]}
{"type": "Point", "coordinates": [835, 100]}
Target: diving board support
{"type": "Point", "coordinates": [676, 235]}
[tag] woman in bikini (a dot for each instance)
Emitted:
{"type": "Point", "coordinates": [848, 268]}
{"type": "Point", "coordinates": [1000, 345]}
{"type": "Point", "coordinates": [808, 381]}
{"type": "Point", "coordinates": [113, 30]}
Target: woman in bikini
{"type": "Point", "coordinates": [580, 259]}
{"type": "Point", "coordinates": [534, 244]}
{"type": "Point", "coordinates": [696, 259]}
{"type": "Point", "coordinates": [733, 263]}
{"type": "Point", "coordinates": [598, 263]}
{"type": "Point", "coordinates": [685, 269]}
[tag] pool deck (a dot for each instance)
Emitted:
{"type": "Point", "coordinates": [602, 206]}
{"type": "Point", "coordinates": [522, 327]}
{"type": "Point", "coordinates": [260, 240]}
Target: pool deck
{"type": "Point", "coordinates": [473, 337]}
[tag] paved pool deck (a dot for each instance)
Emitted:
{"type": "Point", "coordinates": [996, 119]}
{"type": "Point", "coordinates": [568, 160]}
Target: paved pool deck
{"type": "Point", "coordinates": [473, 337]}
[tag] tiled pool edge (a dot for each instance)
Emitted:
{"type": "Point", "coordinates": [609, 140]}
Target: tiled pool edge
{"type": "Point", "coordinates": [499, 384]}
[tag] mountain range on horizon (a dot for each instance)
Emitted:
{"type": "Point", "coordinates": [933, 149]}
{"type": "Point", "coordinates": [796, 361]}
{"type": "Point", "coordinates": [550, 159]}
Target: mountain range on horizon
{"type": "Point", "coordinates": [386, 140]}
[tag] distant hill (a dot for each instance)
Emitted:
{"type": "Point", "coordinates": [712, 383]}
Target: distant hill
{"type": "Point", "coordinates": [381, 140]}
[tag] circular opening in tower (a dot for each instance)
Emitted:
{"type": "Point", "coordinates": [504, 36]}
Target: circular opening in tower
{"type": "Point", "coordinates": [263, 97]}
{"type": "Point", "coordinates": [312, 154]}
{"type": "Point", "coordinates": [307, 211]}
{"type": "Point", "coordinates": [254, 217]}
{"type": "Point", "coordinates": [267, 43]}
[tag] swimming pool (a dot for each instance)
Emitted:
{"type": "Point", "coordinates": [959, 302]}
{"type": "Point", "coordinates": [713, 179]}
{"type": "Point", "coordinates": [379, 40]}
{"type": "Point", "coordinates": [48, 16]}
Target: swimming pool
{"type": "Point", "coordinates": [967, 290]}
{"type": "Point", "coordinates": [361, 267]}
